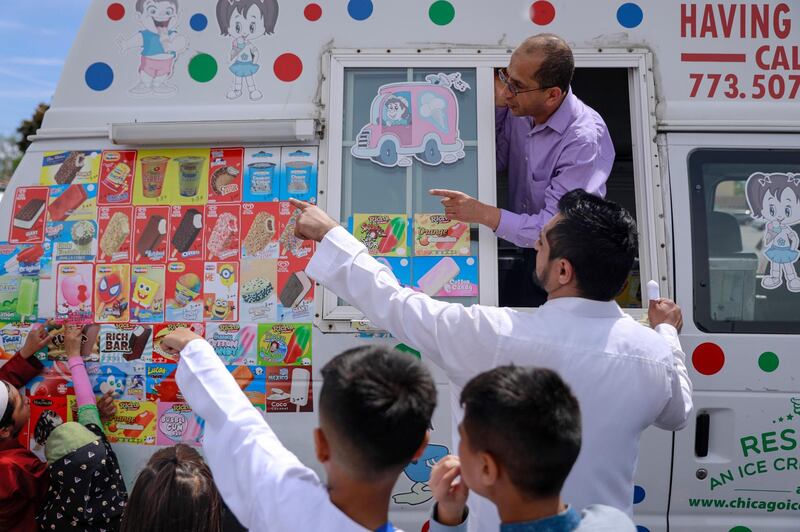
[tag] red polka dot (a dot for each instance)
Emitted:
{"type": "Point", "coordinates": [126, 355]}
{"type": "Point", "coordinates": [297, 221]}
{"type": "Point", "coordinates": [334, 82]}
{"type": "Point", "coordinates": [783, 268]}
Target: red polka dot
{"type": "Point", "coordinates": [708, 358]}
{"type": "Point", "coordinates": [313, 12]}
{"type": "Point", "coordinates": [426, 526]}
{"type": "Point", "coordinates": [116, 11]}
{"type": "Point", "coordinates": [288, 67]}
{"type": "Point", "coordinates": [542, 12]}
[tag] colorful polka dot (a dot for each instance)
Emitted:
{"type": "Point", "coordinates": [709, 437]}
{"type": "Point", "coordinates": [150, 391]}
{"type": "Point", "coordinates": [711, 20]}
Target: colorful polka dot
{"type": "Point", "coordinates": [542, 12]}
{"type": "Point", "coordinates": [99, 76]}
{"type": "Point", "coordinates": [359, 9]}
{"type": "Point", "coordinates": [202, 68]}
{"type": "Point", "coordinates": [405, 349]}
{"type": "Point", "coordinates": [442, 12]}
{"type": "Point", "coordinates": [115, 11]}
{"type": "Point", "coordinates": [313, 12]}
{"type": "Point", "coordinates": [708, 358]}
{"type": "Point", "coordinates": [638, 494]}
{"type": "Point", "coordinates": [640, 528]}
{"type": "Point", "coordinates": [768, 361]}
{"type": "Point", "coordinates": [288, 67]}
{"type": "Point", "coordinates": [740, 528]}
{"type": "Point", "coordinates": [629, 15]}
{"type": "Point", "coordinates": [198, 22]}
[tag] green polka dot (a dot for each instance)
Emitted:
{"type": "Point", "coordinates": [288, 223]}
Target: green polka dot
{"type": "Point", "coordinates": [768, 361]}
{"type": "Point", "coordinates": [740, 529]}
{"type": "Point", "coordinates": [442, 12]}
{"type": "Point", "coordinates": [202, 68]}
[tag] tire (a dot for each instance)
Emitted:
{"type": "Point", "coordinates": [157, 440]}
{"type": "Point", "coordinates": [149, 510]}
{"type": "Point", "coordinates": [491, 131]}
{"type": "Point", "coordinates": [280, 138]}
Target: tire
{"type": "Point", "coordinates": [388, 154]}
{"type": "Point", "coordinates": [431, 155]}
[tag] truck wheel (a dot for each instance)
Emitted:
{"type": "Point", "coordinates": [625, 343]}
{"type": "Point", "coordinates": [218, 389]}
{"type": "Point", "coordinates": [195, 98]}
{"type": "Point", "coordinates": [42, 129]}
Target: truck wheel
{"type": "Point", "coordinates": [432, 155]}
{"type": "Point", "coordinates": [388, 154]}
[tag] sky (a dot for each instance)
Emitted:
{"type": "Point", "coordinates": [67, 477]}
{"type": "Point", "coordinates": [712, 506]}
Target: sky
{"type": "Point", "coordinates": [35, 37]}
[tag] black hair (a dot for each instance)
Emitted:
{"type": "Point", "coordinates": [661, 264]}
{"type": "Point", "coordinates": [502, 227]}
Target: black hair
{"type": "Point", "coordinates": [558, 65]}
{"type": "Point", "coordinates": [598, 237]}
{"type": "Point", "coordinates": [7, 416]}
{"type": "Point", "coordinates": [226, 8]}
{"type": "Point", "coordinates": [529, 421]}
{"type": "Point", "coordinates": [378, 403]}
{"type": "Point", "coordinates": [47, 421]}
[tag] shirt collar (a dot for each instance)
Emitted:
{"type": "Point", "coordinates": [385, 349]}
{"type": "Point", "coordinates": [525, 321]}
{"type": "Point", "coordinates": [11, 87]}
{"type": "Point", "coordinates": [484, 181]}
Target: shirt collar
{"type": "Point", "coordinates": [566, 521]}
{"type": "Point", "coordinates": [563, 117]}
{"type": "Point", "coordinates": [589, 308]}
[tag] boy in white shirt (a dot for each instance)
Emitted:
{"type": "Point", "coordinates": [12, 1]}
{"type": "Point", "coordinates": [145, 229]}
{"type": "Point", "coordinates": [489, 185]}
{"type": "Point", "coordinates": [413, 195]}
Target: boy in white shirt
{"type": "Point", "coordinates": [375, 408]}
{"type": "Point", "coordinates": [520, 437]}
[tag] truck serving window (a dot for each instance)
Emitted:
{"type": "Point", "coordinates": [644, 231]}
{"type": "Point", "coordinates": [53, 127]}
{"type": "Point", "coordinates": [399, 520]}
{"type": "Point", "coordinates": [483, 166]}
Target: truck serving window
{"type": "Point", "coordinates": [745, 214]}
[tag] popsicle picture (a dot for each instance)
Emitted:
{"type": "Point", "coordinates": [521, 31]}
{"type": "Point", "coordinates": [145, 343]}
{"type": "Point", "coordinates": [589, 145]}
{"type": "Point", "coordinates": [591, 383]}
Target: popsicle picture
{"type": "Point", "coordinates": [27, 217]}
{"type": "Point", "coordinates": [116, 177]}
{"type": "Point", "coordinates": [382, 234]}
{"type": "Point", "coordinates": [222, 231]}
{"type": "Point", "coordinates": [147, 293]}
{"type": "Point", "coordinates": [435, 234]}
{"type": "Point", "coordinates": [186, 241]}
{"type": "Point", "coordinates": [447, 276]}
{"type": "Point", "coordinates": [112, 291]}
{"type": "Point", "coordinates": [150, 234]}
{"type": "Point", "coordinates": [69, 167]}
{"type": "Point", "coordinates": [115, 233]}
{"type": "Point", "coordinates": [72, 202]}
{"type": "Point", "coordinates": [74, 292]}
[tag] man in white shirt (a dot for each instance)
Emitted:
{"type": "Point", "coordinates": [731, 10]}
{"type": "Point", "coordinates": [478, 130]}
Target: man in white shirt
{"type": "Point", "coordinates": [626, 376]}
{"type": "Point", "coordinates": [375, 409]}
{"type": "Point", "coordinates": [520, 437]}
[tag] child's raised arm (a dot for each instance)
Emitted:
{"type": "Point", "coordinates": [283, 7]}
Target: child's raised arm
{"type": "Point", "coordinates": [87, 408]}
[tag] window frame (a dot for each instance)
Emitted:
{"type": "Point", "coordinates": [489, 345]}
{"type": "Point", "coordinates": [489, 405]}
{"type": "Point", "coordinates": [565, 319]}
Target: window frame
{"type": "Point", "coordinates": [332, 317]}
{"type": "Point", "coordinates": [701, 268]}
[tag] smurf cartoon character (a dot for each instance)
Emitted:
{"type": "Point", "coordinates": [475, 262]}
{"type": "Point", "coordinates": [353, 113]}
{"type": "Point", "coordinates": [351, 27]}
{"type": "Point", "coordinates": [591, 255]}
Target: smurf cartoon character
{"type": "Point", "coordinates": [245, 21]}
{"type": "Point", "coordinates": [775, 198]}
{"type": "Point", "coordinates": [159, 43]}
{"type": "Point", "coordinates": [419, 472]}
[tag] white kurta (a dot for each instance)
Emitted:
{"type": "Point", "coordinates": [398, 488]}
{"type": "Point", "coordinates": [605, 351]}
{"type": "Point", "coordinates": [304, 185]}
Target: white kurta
{"type": "Point", "coordinates": [266, 487]}
{"type": "Point", "coordinates": [626, 376]}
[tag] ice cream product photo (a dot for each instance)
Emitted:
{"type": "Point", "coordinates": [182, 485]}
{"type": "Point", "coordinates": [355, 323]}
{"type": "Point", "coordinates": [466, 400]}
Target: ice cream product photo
{"type": "Point", "coordinates": [184, 291]}
{"type": "Point", "coordinates": [189, 169]}
{"type": "Point", "coordinates": [150, 225]}
{"type": "Point", "coordinates": [112, 293]}
{"type": "Point", "coordinates": [284, 344]}
{"type": "Point", "coordinates": [125, 342]}
{"type": "Point", "coordinates": [28, 215]}
{"type": "Point", "coordinates": [289, 389]}
{"type": "Point", "coordinates": [171, 176]}
{"type": "Point", "coordinates": [186, 233]}
{"type": "Point", "coordinates": [295, 291]}
{"type": "Point", "coordinates": [225, 175]}
{"type": "Point", "coordinates": [116, 177]}
{"type": "Point", "coordinates": [222, 225]}
{"type": "Point", "coordinates": [70, 167]}
{"type": "Point", "coordinates": [435, 234]}
{"type": "Point", "coordinates": [115, 233]}
{"type": "Point", "coordinates": [446, 276]}
{"type": "Point", "coordinates": [74, 292]}
{"type": "Point", "coordinates": [25, 260]}
{"type": "Point", "coordinates": [221, 291]}
{"type": "Point", "coordinates": [234, 343]}
{"type": "Point", "coordinates": [384, 235]}
{"type": "Point", "coordinates": [72, 241]}
{"type": "Point", "coordinates": [299, 173]}
{"type": "Point", "coordinates": [260, 229]}
{"type": "Point", "coordinates": [261, 174]}
{"type": "Point", "coordinates": [72, 202]}
{"type": "Point", "coordinates": [147, 293]}
{"type": "Point", "coordinates": [161, 330]}
{"type": "Point", "coordinates": [258, 292]}
{"type": "Point", "coordinates": [290, 245]}
{"type": "Point", "coordinates": [153, 173]}
{"type": "Point", "coordinates": [178, 424]}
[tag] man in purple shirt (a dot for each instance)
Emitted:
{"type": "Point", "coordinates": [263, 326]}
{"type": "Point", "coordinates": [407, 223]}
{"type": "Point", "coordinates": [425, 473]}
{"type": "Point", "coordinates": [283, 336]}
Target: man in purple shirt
{"type": "Point", "coordinates": [547, 139]}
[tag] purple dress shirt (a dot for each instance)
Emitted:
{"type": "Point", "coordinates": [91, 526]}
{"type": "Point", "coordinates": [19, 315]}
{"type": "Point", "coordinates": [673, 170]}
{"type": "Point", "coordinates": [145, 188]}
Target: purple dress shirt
{"type": "Point", "coordinates": [545, 161]}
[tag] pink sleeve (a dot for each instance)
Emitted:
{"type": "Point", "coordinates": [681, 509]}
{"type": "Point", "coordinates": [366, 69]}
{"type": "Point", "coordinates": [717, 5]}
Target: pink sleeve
{"type": "Point", "coordinates": [80, 379]}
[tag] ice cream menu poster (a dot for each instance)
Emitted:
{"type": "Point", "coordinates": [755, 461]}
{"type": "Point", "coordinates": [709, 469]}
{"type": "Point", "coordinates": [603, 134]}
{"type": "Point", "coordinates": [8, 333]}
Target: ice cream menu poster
{"type": "Point", "coordinates": [430, 253]}
{"type": "Point", "coordinates": [138, 242]}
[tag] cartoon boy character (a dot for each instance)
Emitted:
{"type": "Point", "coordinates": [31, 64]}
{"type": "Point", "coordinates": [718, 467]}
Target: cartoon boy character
{"type": "Point", "coordinates": [396, 111]}
{"type": "Point", "coordinates": [776, 198]}
{"type": "Point", "coordinates": [159, 43]}
{"type": "Point", "coordinates": [245, 21]}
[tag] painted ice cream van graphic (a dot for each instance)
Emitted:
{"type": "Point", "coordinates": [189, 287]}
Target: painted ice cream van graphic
{"type": "Point", "coordinates": [363, 106]}
{"type": "Point", "coordinates": [418, 119]}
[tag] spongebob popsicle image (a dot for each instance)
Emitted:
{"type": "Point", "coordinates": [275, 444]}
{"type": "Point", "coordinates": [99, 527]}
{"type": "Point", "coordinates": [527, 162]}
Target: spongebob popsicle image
{"type": "Point", "coordinates": [147, 297]}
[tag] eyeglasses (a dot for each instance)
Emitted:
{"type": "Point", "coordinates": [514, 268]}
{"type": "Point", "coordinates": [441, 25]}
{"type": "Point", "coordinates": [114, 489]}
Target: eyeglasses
{"type": "Point", "coordinates": [512, 88]}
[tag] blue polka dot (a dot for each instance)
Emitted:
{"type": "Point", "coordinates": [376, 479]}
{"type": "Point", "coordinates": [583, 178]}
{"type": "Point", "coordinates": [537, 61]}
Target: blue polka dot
{"type": "Point", "coordinates": [99, 76]}
{"type": "Point", "coordinates": [198, 22]}
{"type": "Point", "coordinates": [638, 494]}
{"type": "Point", "coordinates": [359, 9]}
{"type": "Point", "coordinates": [640, 528]}
{"type": "Point", "coordinates": [630, 15]}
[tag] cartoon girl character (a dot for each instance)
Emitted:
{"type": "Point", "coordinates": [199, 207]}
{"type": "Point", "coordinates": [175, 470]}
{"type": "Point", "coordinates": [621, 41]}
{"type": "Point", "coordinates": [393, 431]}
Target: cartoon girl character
{"type": "Point", "coordinates": [396, 111]}
{"type": "Point", "coordinates": [245, 21]}
{"type": "Point", "coordinates": [159, 43]}
{"type": "Point", "coordinates": [776, 198]}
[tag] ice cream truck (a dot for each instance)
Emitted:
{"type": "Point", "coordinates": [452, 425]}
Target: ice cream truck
{"type": "Point", "coordinates": [155, 196]}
